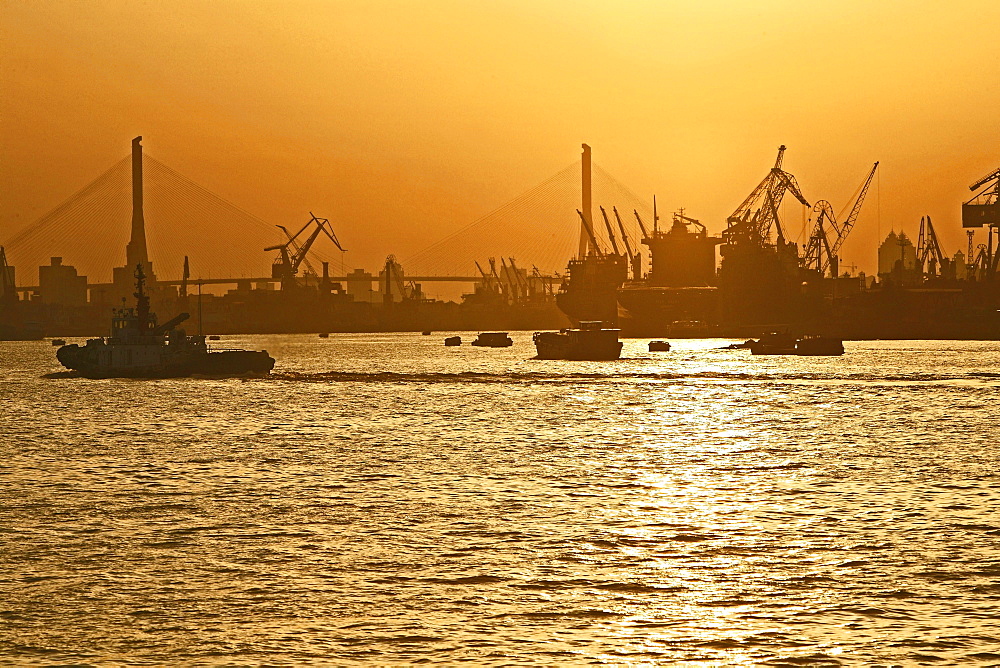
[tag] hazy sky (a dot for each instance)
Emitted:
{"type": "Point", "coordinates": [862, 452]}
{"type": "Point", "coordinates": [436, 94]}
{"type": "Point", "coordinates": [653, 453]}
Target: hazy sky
{"type": "Point", "coordinates": [403, 121]}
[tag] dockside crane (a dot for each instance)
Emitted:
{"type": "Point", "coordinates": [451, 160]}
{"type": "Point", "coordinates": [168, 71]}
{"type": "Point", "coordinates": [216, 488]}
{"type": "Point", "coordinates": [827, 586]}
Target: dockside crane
{"type": "Point", "coordinates": [680, 217]}
{"type": "Point", "coordinates": [754, 219]}
{"type": "Point", "coordinates": [642, 225]}
{"type": "Point", "coordinates": [929, 255]}
{"type": "Point", "coordinates": [590, 233]}
{"type": "Point", "coordinates": [291, 254]}
{"type": "Point", "coordinates": [611, 232]}
{"type": "Point", "coordinates": [635, 259]}
{"type": "Point", "coordinates": [488, 283]}
{"type": "Point", "coordinates": [522, 282]}
{"type": "Point", "coordinates": [983, 210]}
{"type": "Point", "coordinates": [821, 253]}
{"type": "Point", "coordinates": [8, 290]}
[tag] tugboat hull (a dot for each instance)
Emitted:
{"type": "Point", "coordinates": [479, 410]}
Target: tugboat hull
{"type": "Point", "coordinates": [590, 342]}
{"type": "Point", "coordinates": [93, 362]}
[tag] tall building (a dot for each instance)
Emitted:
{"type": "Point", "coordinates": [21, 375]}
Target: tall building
{"type": "Point", "coordinates": [897, 248]}
{"type": "Point", "coordinates": [59, 283]}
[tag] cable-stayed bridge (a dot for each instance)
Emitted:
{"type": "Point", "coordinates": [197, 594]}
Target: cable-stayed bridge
{"type": "Point", "coordinates": [540, 228]}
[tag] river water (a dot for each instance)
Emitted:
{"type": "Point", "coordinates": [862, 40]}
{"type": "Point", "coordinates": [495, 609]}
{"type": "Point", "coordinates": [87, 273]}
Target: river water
{"type": "Point", "coordinates": [384, 499]}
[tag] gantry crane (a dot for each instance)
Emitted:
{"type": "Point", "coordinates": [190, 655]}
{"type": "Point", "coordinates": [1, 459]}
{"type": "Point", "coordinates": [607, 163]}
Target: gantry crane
{"type": "Point", "coordinates": [984, 210]}
{"type": "Point", "coordinates": [286, 265]}
{"type": "Point", "coordinates": [754, 219]}
{"type": "Point", "coordinates": [821, 254]}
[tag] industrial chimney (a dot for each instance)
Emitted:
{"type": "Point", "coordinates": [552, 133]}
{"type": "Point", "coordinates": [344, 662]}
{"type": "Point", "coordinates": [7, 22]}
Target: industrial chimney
{"type": "Point", "coordinates": [587, 213]}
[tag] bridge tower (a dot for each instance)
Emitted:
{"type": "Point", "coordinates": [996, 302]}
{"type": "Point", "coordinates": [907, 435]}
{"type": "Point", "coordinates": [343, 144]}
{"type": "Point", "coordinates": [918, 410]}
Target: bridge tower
{"type": "Point", "coordinates": [136, 252]}
{"type": "Point", "coordinates": [588, 217]}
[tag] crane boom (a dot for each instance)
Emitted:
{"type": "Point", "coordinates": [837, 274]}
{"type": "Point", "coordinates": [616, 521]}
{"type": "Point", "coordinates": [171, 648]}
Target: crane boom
{"type": "Point", "coordinates": [590, 233]}
{"type": "Point", "coordinates": [845, 228]}
{"type": "Point", "coordinates": [621, 227]}
{"type": "Point", "coordinates": [994, 175]}
{"type": "Point", "coordinates": [611, 233]}
{"type": "Point", "coordinates": [642, 226]}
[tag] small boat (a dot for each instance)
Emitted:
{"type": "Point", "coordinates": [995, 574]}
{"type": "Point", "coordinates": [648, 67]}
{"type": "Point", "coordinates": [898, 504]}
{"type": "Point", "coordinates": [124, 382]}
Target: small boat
{"type": "Point", "coordinates": [58, 342]}
{"type": "Point", "coordinates": [453, 341]}
{"type": "Point", "coordinates": [746, 345]}
{"type": "Point", "coordinates": [819, 345]}
{"type": "Point", "coordinates": [590, 342]}
{"type": "Point", "coordinates": [659, 346]}
{"type": "Point", "coordinates": [214, 337]}
{"type": "Point", "coordinates": [324, 335]}
{"type": "Point", "coordinates": [774, 343]}
{"type": "Point", "coordinates": [426, 332]}
{"type": "Point", "coordinates": [493, 340]}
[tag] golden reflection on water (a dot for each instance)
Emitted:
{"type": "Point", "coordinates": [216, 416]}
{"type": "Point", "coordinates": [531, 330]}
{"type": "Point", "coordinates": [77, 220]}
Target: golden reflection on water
{"type": "Point", "coordinates": [701, 507]}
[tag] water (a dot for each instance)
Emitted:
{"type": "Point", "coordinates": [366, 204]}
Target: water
{"type": "Point", "coordinates": [384, 499]}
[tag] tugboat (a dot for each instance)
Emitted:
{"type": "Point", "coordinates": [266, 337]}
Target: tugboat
{"type": "Point", "coordinates": [139, 348]}
{"type": "Point", "coordinates": [590, 342]}
{"type": "Point", "coordinates": [493, 340]}
{"type": "Point", "coordinates": [453, 341]}
{"type": "Point", "coordinates": [659, 346]}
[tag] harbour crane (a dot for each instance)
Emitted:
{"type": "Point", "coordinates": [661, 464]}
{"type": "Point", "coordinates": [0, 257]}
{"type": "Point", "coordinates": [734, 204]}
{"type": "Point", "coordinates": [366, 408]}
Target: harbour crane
{"type": "Point", "coordinates": [634, 258]}
{"type": "Point", "coordinates": [488, 283]}
{"type": "Point", "coordinates": [642, 226]}
{"type": "Point", "coordinates": [590, 233]}
{"type": "Point", "coordinates": [8, 290]}
{"type": "Point", "coordinates": [522, 282]}
{"type": "Point", "coordinates": [821, 254]}
{"type": "Point", "coordinates": [754, 219]}
{"type": "Point", "coordinates": [680, 217]}
{"type": "Point", "coordinates": [611, 232]}
{"type": "Point", "coordinates": [929, 254]}
{"type": "Point", "coordinates": [291, 254]}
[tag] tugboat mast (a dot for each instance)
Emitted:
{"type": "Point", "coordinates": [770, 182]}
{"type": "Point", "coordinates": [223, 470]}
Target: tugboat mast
{"type": "Point", "coordinates": [142, 300]}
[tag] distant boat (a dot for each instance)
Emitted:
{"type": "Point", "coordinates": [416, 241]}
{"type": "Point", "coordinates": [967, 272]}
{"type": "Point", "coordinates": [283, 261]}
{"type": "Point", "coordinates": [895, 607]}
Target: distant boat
{"type": "Point", "coordinates": [139, 348]}
{"type": "Point", "coordinates": [21, 331]}
{"type": "Point", "coordinates": [426, 332]}
{"type": "Point", "coordinates": [659, 346]}
{"type": "Point", "coordinates": [590, 342]}
{"type": "Point", "coordinates": [493, 340]}
{"type": "Point", "coordinates": [774, 343]}
{"type": "Point", "coordinates": [214, 337]}
{"type": "Point", "coordinates": [453, 341]}
{"type": "Point", "coordinates": [819, 345]}
{"type": "Point", "coordinates": [324, 335]}
{"type": "Point", "coordinates": [58, 342]}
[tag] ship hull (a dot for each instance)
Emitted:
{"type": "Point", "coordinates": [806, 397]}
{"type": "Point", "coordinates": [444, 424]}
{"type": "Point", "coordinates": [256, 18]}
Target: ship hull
{"type": "Point", "coordinates": [654, 311]}
{"type": "Point", "coordinates": [92, 364]}
{"type": "Point", "coordinates": [577, 345]}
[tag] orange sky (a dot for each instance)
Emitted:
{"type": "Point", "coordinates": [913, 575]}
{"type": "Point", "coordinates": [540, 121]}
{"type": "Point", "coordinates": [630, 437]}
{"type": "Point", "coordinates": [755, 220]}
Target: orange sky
{"type": "Point", "coordinates": [403, 121]}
